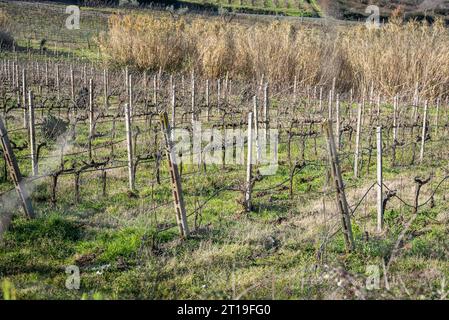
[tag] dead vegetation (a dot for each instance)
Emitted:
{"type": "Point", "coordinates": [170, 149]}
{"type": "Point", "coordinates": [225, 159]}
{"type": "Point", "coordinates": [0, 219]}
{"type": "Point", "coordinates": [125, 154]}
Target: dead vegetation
{"type": "Point", "coordinates": [390, 58]}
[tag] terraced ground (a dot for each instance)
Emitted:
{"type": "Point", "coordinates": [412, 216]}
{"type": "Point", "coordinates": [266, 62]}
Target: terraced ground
{"type": "Point", "coordinates": [355, 9]}
{"type": "Point", "coordinates": [300, 8]}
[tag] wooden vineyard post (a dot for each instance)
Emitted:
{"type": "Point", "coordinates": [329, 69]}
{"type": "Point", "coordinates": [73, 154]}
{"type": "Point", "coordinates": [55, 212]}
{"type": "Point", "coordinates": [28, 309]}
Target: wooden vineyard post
{"type": "Point", "coordinates": [178, 198]}
{"type": "Point", "coordinates": [395, 130]}
{"type": "Point", "coordinates": [351, 102]}
{"type": "Point", "coordinates": [294, 90]}
{"type": "Point", "coordinates": [207, 101]}
{"type": "Point", "coordinates": [24, 98]}
{"type": "Point", "coordinates": [11, 80]}
{"type": "Point", "coordinates": [395, 119]}
{"type": "Point", "coordinates": [379, 181]}
{"type": "Point", "coordinates": [334, 80]}
{"type": "Point", "coordinates": [415, 103]}
{"type": "Point", "coordinates": [72, 85]}
{"type": "Point", "coordinates": [91, 119]}
{"type": "Point", "coordinates": [126, 80]}
{"type": "Point", "coordinates": [173, 106]}
{"type": "Point", "coordinates": [129, 145]}
{"type": "Point", "coordinates": [437, 114]}
{"type": "Point", "coordinates": [340, 188]}
{"type": "Point", "coordinates": [193, 98]}
{"type": "Point", "coordinates": [378, 110]}
{"type": "Point", "coordinates": [155, 91]}
{"type": "Point", "coordinates": [256, 127]}
{"type": "Point", "coordinates": [337, 120]}
{"type": "Point", "coordinates": [218, 93]}
{"type": "Point", "coordinates": [58, 90]}
{"type": "Point", "coordinates": [357, 141]}
{"type": "Point", "coordinates": [130, 95]}
{"type": "Point", "coordinates": [249, 164]}
{"type": "Point", "coordinates": [32, 134]}
{"type": "Point", "coordinates": [46, 74]}
{"type": "Point", "coordinates": [266, 111]}
{"type": "Point", "coordinates": [14, 171]}
{"type": "Point", "coordinates": [321, 99]}
{"type": "Point", "coordinates": [424, 132]}
{"type": "Point", "coordinates": [84, 75]}
{"type": "Point", "coordinates": [105, 88]}
{"type": "Point", "coordinates": [17, 83]}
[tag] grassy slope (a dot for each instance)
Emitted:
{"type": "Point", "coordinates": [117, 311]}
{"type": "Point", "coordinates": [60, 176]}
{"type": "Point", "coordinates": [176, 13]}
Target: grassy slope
{"type": "Point", "coordinates": [295, 8]}
{"type": "Point", "coordinates": [270, 253]}
{"type": "Point", "coordinates": [354, 9]}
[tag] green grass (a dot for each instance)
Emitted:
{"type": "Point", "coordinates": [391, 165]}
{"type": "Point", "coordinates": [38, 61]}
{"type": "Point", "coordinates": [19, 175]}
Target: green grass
{"type": "Point", "coordinates": [121, 254]}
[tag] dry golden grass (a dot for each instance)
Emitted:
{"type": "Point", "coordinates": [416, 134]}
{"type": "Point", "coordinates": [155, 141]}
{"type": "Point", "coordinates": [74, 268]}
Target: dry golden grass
{"type": "Point", "coordinates": [394, 58]}
{"type": "Point", "coordinates": [147, 42]}
{"type": "Point", "coordinates": [399, 55]}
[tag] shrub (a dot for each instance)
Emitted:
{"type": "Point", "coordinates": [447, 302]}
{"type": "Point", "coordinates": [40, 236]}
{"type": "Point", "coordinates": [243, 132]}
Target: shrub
{"type": "Point", "coordinates": [53, 127]}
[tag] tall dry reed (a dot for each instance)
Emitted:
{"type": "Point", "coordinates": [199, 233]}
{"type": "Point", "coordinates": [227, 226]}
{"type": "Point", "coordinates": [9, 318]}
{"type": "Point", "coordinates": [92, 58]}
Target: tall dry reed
{"type": "Point", "coordinates": [399, 56]}
{"type": "Point", "coordinates": [394, 58]}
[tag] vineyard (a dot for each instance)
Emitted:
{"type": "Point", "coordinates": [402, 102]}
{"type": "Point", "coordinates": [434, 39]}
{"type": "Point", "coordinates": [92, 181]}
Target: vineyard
{"type": "Point", "coordinates": [290, 191]}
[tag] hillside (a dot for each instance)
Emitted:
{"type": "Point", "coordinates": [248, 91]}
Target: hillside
{"type": "Point", "coordinates": [340, 9]}
{"type": "Point", "coordinates": [355, 9]}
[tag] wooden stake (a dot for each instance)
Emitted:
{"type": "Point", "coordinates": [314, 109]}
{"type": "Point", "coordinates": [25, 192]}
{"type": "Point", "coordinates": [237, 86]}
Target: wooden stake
{"type": "Point", "coordinates": [379, 181]}
{"type": "Point", "coordinates": [321, 99]}
{"type": "Point", "coordinates": [395, 119]}
{"type": "Point", "coordinates": [72, 85]}
{"type": "Point", "coordinates": [32, 135]}
{"type": "Point", "coordinates": [218, 93]}
{"type": "Point", "coordinates": [437, 115]}
{"type": "Point", "coordinates": [340, 188]}
{"type": "Point", "coordinates": [256, 128]}
{"type": "Point", "coordinates": [249, 164]}
{"type": "Point", "coordinates": [357, 142]}
{"type": "Point", "coordinates": [14, 171]}
{"type": "Point", "coordinates": [173, 106]}
{"type": "Point", "coordinates": [424, 132]}
{"type": "Point", "coordinates": [105, 88]}
{"type": "Point", "coordinates": [337, 120]}
{"type": "Point", "coordinates": [58, 93]}
{"type": "Point", "coordinates": [178, 198]}
{"type": "Point", "coordinates": [91, 118]}
{"type": "Point", "coordinates": [207, 101]}
{"type": "Point", "coordinates": [46, 74]}
{"type": "Point", "coordinates": [129, 145]}
{"type": "Point", "coordinates": [155, 90]}
{"type": "Point", "coordinates": [294, 90]}
{"type": "Point", "coordinates": [266, 112]}
{"type": "Point", "coordinates": [24, 98]}
{"type": "Point", "coordinates": [130, 95]}
{"type": "Point", "coordinates": [126, 80]}
{"type": "Point", "coordinates": [193, 98]}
